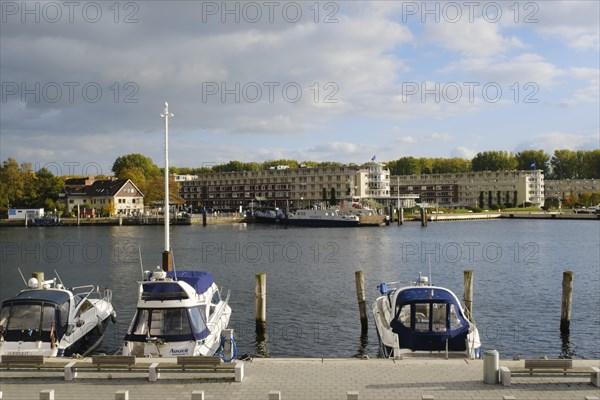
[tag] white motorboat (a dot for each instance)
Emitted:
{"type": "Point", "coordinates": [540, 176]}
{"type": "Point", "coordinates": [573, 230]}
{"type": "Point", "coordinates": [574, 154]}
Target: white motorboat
{"type": "Point", "coordinates": [421, 318]}
{"type": "Point", "coordinates": [179, 313]}
{"type": "Point", "coordinates": [322, 217]}
{"type": "Point", "coordinates": [49, 319]}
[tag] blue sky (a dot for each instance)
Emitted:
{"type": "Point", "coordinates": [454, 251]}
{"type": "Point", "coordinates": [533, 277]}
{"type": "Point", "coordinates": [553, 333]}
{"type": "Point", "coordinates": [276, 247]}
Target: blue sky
{"type": "Point", "coordinates": [391, 81]}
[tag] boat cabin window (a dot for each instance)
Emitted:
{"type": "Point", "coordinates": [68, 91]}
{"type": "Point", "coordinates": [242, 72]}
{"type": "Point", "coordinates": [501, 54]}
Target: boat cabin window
{"type": "Point", "coordinates": [140, 323]}
{"type": "Point", "coordinates": [169, 322]}
{"type": "Point", "coordinates": [430, 317]}
{"type": "Point", "coordinates": [86, 305]}
{"type": "Point", "coordinates": [28, 322]}
{"type": "Point", "coordinates": [404, 316]}
{"type": "Point", "coordinates": [216, 298]}
{"type": "Point", "coordinates": [422, 317]}
{"type": "Point", "coordinates": [455, 322]}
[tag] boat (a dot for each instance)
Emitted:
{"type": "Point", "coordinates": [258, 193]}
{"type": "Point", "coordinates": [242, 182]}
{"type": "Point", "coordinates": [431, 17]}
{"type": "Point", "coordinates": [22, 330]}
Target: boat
{"type": "Point", "coordinates": [179, 313]}
{"type": "Point", "coordinates": [366, 215]}
{"type": "Point", "coordinates": [269, 216]}
{"type": "Point", "coordinates": [49, 319]}
{"type": "Point", "coordinates": [322, 217]}
{"type": "Point", "coordinates": [422, 318]}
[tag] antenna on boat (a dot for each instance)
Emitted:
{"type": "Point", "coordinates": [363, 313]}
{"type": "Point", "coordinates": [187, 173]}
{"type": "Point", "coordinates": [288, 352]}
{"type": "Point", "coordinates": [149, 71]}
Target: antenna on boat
{"type": "Point", "coordinates": [22, 277]}
{"type": "Point", "coordinates": [429, 260]}
{"type": "Point", "coordinates": [59, 278]}
{"type": "Point", "coordinates": [141, 262]}
{"type": "Point", "coordinates": [167, 258]}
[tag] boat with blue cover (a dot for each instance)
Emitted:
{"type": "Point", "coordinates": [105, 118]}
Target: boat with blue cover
{"type": "Point", "coordinates": [422, 318]}
{"type": "Point", "coordinates": [179, 313]}
{"type": "Point", "coordinates": [50, 319]}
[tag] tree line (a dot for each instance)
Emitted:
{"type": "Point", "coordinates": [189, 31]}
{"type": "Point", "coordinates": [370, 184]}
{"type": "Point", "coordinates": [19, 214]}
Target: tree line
{"type": "Point", "coordinates": [563, 164]}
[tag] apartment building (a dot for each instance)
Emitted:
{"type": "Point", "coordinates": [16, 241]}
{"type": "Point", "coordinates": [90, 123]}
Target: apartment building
{"type": "Point", "coordinates": [476, 189]}
{"type": "Point", "coordinates": [285, 187]}
{"type": "Point", "coordinates": [563, 188]}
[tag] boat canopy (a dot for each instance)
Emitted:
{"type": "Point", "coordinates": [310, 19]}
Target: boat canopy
{"type": "Point", "coordinates": [34, 315]}
{"type": "Point", "coordinates": [428, 317]}
{"type": "Point", "coordinates": [199, 280]}
{"type": "Point", "coordinates": [52, 296]}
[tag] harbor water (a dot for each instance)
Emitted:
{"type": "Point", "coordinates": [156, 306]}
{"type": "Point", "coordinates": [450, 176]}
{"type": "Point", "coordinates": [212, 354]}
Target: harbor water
{"type": "Point", "coordinates": [311, 298]}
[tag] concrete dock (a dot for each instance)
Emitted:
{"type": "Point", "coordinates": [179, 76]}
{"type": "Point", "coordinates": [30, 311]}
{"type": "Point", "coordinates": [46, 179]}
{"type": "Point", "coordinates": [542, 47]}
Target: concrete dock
{"type": "Point", "coordinates": [307, 379]}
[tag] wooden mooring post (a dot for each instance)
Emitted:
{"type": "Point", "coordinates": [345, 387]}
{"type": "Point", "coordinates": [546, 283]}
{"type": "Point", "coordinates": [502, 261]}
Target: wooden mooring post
{"type": "Point", "coordinates": [204, 217]}
{"type": "Point", "coordinates": [567, 299]}
{"type": "Point", "coordinates": [362, 304]}
{"type": "Point", "coordinates": [423, 216]}
{"type": "Point", "coordinates": [468, 293]}
{"type": "Point", "coordinates": [261, 302]}
{"type": "Point", "coordinates": [400, 216]}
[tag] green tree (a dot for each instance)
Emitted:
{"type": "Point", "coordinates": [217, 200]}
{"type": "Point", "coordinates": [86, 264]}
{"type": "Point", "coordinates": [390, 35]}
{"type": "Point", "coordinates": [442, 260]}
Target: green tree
{"type": "Point", "coordinates": [324, 195]}
{"type": "Point", "coordinates": [533, 159]}
{"type": "Point", "coordinates": [332, 198]}
{"type": "Point", "coordinates": [135, 160]}
{"type": "Point", "coordinates": [590, 164]}
{"type": "Point", "coordinates": [565, 164]}
{"type": "Point", "coordinates": [494, 161]}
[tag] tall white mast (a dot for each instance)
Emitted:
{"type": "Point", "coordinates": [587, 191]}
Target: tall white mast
{"type": "Point", "coordinates": [167, 264]}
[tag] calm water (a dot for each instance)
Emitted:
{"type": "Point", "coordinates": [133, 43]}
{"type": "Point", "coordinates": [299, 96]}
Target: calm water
{"type": "Point", "coordinates": [311, 305]}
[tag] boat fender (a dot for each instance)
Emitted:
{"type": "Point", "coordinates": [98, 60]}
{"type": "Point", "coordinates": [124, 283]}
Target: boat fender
{"type": "Point", "coordinates": [113, 317]}
{"type": "Point", "coordinates": [382, 288]}
{"type": "Point", "coordinates": [229, 348]}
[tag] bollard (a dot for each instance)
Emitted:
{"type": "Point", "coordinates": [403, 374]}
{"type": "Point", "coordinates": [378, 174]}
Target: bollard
{"type": "Point", "coordinates": [122, 395]}
{"type": "Point", "coordinates": [362, 304]}
{"type": "Point", "coordinates": [490, 366]}
{"type": "Point", "coordinates": [198, 395]}
{"type": "Point", "coordinates": [567, 299]}
{"type": "Point", "coordinates": [274, 395]}
{"type": "Point", "coordinates": [260, 291]}
{"type": "Point", "coordinates": [47, 394]}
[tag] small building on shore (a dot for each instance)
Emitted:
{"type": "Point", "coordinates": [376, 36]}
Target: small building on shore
{"type": "Point", "coordinates": [104, 196]}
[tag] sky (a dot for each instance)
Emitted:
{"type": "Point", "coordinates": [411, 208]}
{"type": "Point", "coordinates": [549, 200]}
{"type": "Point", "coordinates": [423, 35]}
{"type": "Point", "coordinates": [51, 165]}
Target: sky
{"type": "Point", "coordinates": [85, 82]}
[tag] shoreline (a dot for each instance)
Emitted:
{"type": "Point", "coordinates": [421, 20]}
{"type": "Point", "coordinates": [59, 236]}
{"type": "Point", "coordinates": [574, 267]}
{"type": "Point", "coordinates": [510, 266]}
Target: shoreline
{"type": "Point", "coordinates": [223, 220]}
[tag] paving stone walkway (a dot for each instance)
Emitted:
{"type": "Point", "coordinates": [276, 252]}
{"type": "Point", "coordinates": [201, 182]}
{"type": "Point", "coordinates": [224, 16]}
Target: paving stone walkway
{"type": "Point", "coordinates": [308, 379]}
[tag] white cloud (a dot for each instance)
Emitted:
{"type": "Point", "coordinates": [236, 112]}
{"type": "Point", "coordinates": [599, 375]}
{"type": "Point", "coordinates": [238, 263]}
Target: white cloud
{"type": "Point", "coordinates": [472, 39]}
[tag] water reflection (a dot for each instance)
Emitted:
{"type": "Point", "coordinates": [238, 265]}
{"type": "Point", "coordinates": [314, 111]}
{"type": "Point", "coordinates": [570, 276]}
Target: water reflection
{"type": "Point", "coordinates": [262, 339]}
{"type": "Point", "coordinates": [567, 349]}
{"type": "Point", "coordinates": [362, 351]}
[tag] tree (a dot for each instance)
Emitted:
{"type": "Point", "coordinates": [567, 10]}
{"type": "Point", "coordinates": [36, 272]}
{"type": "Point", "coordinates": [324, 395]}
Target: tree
{"type": "Point", "coordinates": [590, 165]}
{"type": "Point", "coordinates": [494, 161]}
{"type": "Point", "coordinates": [565, 164]}
{"type": "Point", "coordinates": [532, 159]}
{"type": "Point", "coordinates": [332, 199]}
{"type": "Point", "coordinates": [324, 195]}
{"type": "Point", "coordinates": [135, 160]}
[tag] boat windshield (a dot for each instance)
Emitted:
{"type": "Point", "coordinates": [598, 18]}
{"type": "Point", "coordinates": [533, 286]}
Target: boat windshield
{"type": "Point", "coordinates": [429, 316]}
{"type": "Point", "coordinates": [29, 322]}
{"type": "Point", "coordinates": [170, 323]}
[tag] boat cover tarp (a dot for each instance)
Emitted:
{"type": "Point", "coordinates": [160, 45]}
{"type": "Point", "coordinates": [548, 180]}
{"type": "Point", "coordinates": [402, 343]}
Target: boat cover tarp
{"type": "Point", "coordinates": [199, 280]}
{"type": "Point", "coordinates": [430, 340]}
{"type": "Point", "coordinates": [49, 295]}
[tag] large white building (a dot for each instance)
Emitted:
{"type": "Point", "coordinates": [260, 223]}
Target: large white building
{"type": "Point", "coordinates": [475, 189]}
{"type": "Point", "coordinates": [281, 187]}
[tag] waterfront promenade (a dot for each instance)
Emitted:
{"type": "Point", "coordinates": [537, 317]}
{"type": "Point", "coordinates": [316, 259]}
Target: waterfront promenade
{"type": "Point", "coordinates": [308, 379]}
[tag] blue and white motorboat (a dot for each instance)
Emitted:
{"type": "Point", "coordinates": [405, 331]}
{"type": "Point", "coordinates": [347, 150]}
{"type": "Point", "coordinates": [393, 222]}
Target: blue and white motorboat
{"type": "Point", "coordinates": [49, 319]}
{"type": "Point", "coordinates": [179, 313]}
{"type": "Point", "coordinates": [423, 318]}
